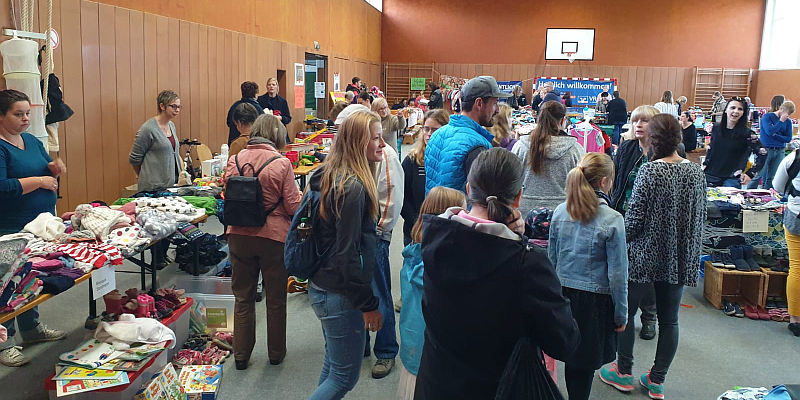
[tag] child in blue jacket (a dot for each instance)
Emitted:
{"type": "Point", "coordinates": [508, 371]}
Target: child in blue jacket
{"type": "Point", "coordinates": [412, 323]}
{"type": "Point", "coordinates": [587, 247]}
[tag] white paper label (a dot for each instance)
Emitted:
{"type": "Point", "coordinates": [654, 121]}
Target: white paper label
{"type": "Point", "coordinates": [103, 281]}
{"type": "Point", "coordinates": [755, 221]}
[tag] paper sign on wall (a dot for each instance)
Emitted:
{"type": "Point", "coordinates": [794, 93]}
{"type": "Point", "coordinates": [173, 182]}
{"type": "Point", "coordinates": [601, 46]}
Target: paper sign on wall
{"type": "Point", "coordinates": [104, 280]}
{"type": "Point", "coordinates": [299, 75]}
{"type": "Point", "coordinates": [299, 97]}
{"type": "Point", "coordinates": [337, 82]}
{"type": "Point", "coordinates": [319, 90]}
{"type": "Point", "coordinates": [417, 83]}
{"type": "Point", "coordinates": [755, 221]}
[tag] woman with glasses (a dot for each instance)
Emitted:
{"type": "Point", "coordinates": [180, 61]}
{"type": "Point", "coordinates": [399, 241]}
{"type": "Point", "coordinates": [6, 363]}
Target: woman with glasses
{"type": "Point", "coordinates": [414, 170]}
{"type": "Point", "coordinates": [391, 124]}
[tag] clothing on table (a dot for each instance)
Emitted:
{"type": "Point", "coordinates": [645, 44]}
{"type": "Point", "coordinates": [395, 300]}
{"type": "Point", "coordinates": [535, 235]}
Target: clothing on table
{"type": "Point", "coordinates": [97, 254]}
{"type": "Point", "coordinates": [127, 240]}
{"type": "Point", "coordinates": [667, 108]}
{"type": "Point", "coordinates": [451, 150]}
{"type": "Point", "coordinates": [15, 164]}
{"type": "Point", "coordinates": [668, 304]}
{"type": "Point", "coordinates": [278, 105]}
{"type": "Point", "coordinates": [393, 126]}
{"type": "Point", "coordinates": [233, 132]}
{"type": "Point", "coordinates": [99, 220]}
{"type": "Point", "coordinates": [250, 255]}
{"type": "Point", "coordinates": [276, 181]}
{"type": "Point", "coordinates": [158, 158]}
{"type": "Point", "coordinates": [414, 193]}
{"type": "Point", "coordinates": [728, 153]}
{"type": "Point", "coordinates": [46, 226]}
{"type": "Point", "coordinates": [156, 224]}
{"type": "Point", "coordinates": [689, 138]}
{"type": "Point", "coordinates": [175, 206]}
{"type": "Point", "coordinates": [547, 189]}
{"type": "Point", "coordinates": [479, 276]}
{"type": "Point", "coordinates": [665, 236]}
{"type": "Point", "coordinates": [773, 132]}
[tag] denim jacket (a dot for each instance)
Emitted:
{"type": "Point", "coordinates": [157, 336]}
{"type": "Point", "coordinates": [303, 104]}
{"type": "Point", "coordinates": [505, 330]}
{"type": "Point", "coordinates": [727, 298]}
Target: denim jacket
{"type": "Point", "coordinates": [592, 256]}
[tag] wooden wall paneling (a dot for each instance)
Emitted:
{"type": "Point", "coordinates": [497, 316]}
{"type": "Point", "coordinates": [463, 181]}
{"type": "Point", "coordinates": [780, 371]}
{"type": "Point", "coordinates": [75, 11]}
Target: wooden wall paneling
{"type": "Point", "coordinates": [185, 80]}
{"type": "Point", "coordinates": [90, 50]}
{"type": "Point", "coordinates": [654, 95]}
{"type": "Point", "coordinates": [221, 127]}
{"type": "Point", "coordinates": [638, 89]}
{"type": "Point", "coordinates": [108, 104]}
{"type": "Point", "coordinates": [242, 59]}
{"type": "Point", "coordinates": [250, 58]}
{"type": "Point", "coordinates": [141, 108]}
{"type": "Point", "coordinates": [629, 86]}
{"type": "Point", "coordinates": [174, 62]}
{"type": "Point", "coordinates": [228, 88]}
{"type": "Point", "coordinates": [202, 81]}
{"type": "Point", "coordinates": [162, 54]}
{"type": "Point", "coordinates": [194, 81]}
{"type": "Point", "coordinates": [213, 111]}
{"type": "Point", "coordinates": [151, 43]}
{"type": "Point", "coordinates": [125, 129]}
{"type": "Point", "coordinates": [672, 74]}
{"type": "Point", "coordinates": [72, 85]}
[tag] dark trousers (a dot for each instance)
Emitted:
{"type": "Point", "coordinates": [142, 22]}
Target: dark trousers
{"type": "Point", "coordinates": [386, 346]}
{"type": "Point", "coordinates": [668, 303]}
{"type": "Point", "coordinates": [249, 256]}
{"type": "Point", "coordinates": [579, 382]}
{"type": "Point", "coordinates": [617, 133]}
{"type": "Point", "coordinates": [648, 306]}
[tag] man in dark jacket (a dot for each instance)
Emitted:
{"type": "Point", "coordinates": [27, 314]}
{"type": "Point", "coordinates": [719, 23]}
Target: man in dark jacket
{"type": "Point", "coordinates": [551, 94]}
{"type": "Point", "coordinates": [275, 103]}
{"type": "Point", "coordinates": [617, 115]}
{"type": "Point", "coordinates": [249, 92]}
{"type": "Point", "coordinates": [436, 100]}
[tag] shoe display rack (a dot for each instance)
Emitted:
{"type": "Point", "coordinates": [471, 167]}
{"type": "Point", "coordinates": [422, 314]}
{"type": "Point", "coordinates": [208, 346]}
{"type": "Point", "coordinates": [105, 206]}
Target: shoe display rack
{"type": "Point", "coordinates": [774, 284]}
{"type": "Point", "coordinates": [744, 287]}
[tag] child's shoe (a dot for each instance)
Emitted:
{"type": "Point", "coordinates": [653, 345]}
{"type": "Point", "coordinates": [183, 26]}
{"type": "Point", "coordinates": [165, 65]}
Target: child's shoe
{"type": "Point", "coordinates": [611, 376]}
{"type": "Point", "coordinates": [655, 390]}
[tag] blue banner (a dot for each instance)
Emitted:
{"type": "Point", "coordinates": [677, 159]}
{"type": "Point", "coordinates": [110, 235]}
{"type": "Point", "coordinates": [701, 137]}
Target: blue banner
{"type": "Point", "coordinates": [508, 86]}
{"type": "Point", "coordinates": [584, 91]}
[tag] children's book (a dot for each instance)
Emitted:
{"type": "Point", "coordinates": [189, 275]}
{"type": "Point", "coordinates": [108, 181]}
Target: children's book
{"type": "Point", "coordinates": [66, 388]}
{"type": "Point", "coordinates": [78, 373]}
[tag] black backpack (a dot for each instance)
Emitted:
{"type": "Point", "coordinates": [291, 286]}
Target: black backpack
{"type": "Point", "coordinates": [301, 253]}
{"type": "Point", "coordinates": [243, 204]}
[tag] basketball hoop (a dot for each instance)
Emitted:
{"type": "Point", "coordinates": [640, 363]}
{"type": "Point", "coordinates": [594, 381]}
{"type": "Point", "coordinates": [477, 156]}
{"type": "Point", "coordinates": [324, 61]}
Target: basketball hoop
{"type": "Point", "coordinates": [570, 56]}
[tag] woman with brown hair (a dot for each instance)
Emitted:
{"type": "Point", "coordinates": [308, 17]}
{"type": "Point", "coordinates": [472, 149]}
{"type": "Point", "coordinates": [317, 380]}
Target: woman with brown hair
{"type": "Point", "coordinates": [414, 170]}
{"type": "Point", "coordinates": [255, 250]}
{"type": "Point", "coordinates": [547, 154]}
{"type": "Point", "coordinates": [502, 130]}
{"type": "Point", "coordinates": [341, 290]}
{"type": "Point", "coordinates": [664, 229]}
{"type": "Point", "coordinates": [667, 104]}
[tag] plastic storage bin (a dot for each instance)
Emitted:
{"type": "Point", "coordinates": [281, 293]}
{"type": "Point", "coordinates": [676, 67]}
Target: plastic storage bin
{"type": "Point", "coordinates": [219, 310]}
{"type": "Point", "coordinates": [204, 284]}
{"type": "Point", "coordinates": [179, 323]}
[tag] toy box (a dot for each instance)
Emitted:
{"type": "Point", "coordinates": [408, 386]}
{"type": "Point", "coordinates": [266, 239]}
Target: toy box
{"type": "Point", "coordinates": [164, 385]}
{"type": "Point", "coordinates": [201, 382]}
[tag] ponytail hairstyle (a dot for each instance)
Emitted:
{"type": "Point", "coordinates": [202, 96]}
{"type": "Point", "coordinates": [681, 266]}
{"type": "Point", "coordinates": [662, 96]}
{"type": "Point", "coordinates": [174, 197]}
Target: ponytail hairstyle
{"type": "Point", "coordinates": [438, 200]}
{"type": "Point", "coordinates": [495, 180]}
{"type": "Point", "coordinates": [583, 180]}
{"type": "Point", "coordinates": [548, 124]}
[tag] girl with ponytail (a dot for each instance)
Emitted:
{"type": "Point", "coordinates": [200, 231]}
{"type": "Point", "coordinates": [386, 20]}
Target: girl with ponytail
{"type": "Point", "coordinates": [587, 247]}
{"type": "Point", "coordinates": [483, 284]}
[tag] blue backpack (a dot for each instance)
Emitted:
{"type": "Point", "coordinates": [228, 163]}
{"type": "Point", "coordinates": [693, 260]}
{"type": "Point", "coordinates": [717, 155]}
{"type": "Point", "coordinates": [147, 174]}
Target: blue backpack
{"type": "Point", "coordinates": [301, 254]}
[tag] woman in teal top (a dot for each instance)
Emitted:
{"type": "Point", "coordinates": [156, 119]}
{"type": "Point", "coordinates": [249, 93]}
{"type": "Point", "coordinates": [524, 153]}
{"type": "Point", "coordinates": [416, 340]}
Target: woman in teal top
{"type": "Point", "coordinates": [27, 188]}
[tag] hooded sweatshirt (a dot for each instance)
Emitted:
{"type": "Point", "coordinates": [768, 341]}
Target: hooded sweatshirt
{"type": "Point", "coordinates": [548, 188]}
{"type": "Point", "coordinates": [483, 290]}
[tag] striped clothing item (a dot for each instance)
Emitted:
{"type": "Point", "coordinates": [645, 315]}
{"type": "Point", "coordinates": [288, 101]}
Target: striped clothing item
{"type": "Point", "coordinates": [91, 253]}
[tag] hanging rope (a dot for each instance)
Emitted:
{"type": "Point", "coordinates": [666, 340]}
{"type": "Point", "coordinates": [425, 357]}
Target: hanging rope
{"type": "Point", "coordinates": [48, 62]}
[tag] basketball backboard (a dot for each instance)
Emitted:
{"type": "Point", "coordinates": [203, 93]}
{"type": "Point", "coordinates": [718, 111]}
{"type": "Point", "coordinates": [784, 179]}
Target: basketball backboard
{"type": "Point", "coordinates": [572, 44]}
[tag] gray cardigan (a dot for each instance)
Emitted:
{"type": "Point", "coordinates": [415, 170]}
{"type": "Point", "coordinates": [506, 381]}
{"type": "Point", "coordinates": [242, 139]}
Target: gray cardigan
{"type": "Point", "coordinates": [158, 158]}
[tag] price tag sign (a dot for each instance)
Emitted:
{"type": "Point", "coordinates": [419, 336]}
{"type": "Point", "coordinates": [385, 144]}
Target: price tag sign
{"type": "Point", "coordinates": [755, 221]}
{"type": "Point", "coordinates": [103, 281]}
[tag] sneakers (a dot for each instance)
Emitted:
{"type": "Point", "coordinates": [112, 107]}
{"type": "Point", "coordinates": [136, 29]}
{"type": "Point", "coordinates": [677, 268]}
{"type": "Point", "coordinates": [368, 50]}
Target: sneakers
{"type": "Point", "coordinates": [611, 376]}
{"type": "Point", "coordinates": [727, 308]}
{"type": "Point", "coordinates": [382, 367]}
{"type": "Point", "coordinates": [13, 357]}
{"type": "Point", "coordinates": [43, 334]}
{"type": "Point", "coordinates": [655, 390]}
{"type": "Point", "coordinates": [648, 331]}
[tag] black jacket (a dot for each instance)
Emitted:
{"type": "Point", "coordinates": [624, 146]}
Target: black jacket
{"type": "Point", "coordinates": [617, 111]}
{"type": "Point", "coordinates": [628, 155]}
{"type": "Point", "coordinates": [352, 241]}
{"type": "Point", "coordinates": [482, 293]}
{"type": "Point", "coordinates": [414, 194]}
{"type": "Point", "coordinates": [517, 102]}
{"type": "Point", "coordinates": [276, 103]}
{"type": "Point", "coordinates": [436, 100]}
{"type": "Point", "coordinates": [57, 110]}
{"type": "Point", "coordinates": [233, 133]}
{"type": "Point", "coordinates": [729, 151]}
{"type": "Point", "coordinates": [538, 100]}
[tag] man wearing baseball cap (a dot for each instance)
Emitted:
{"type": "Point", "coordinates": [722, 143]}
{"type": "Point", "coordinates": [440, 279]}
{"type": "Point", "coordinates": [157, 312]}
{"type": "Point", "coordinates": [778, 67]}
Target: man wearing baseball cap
{"type": "Point", "coordinates": [453, 147]}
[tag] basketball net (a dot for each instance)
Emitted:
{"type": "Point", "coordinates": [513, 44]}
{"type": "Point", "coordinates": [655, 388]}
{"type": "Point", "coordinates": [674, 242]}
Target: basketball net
{"type": "Point", "coordinates": [570, 56]}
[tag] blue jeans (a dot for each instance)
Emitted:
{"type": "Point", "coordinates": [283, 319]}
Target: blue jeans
{"type": "Point", "coordinates": [668, 303]}
{"type": "Point", "coordinates": [774, 158]}
{"type": "Point", "coordinates": [386, 339]}
{"type": "Point", "coordinates": [714, 181]}
{"type": "Point", "coordinates": [617, 133]}
{"type": "Point", "coordinates": [27, 322]}
{"type": "Point", "coordinates": [343, 329]}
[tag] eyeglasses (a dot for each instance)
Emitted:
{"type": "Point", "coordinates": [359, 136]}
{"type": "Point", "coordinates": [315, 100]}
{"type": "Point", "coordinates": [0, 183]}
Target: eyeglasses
{"type": "Point", "coordinates": [427, 129]}
{"type": "Point", "coordinates": [175, 106]}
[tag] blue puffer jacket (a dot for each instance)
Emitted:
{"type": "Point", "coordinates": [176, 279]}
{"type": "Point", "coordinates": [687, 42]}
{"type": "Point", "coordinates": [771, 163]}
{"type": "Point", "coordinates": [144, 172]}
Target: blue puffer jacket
{"type": "Point", "coordinates": [447, 150]}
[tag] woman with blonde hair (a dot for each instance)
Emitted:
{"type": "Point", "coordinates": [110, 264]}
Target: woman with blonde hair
{"type": "Point", "coordinates": [667, 104]}
{"type": "Point", "coordinates": [681, 102]}
{"type": "Point", "coordinates": [502, 129]}
{"type": "Point", "coordinates": [341, 290]}
{"type": "Point", "coordinates": [517, 98]}
{"type": "Point", "coordinates": [259, 250]}
{"type": "Point", "coordinates": [414, 170]}
{"type": "Point", "coordinates": [391, 124]}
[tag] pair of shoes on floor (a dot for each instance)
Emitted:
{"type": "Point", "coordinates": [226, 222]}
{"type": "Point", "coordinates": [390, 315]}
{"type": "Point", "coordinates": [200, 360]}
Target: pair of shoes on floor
{"type": "Point", "coordinates": [648, 331]}
{"type": "Point", "coordinates": [382, 368]}
{"type": "Point", "coordinates": [13, 357]}
{"type": "Point", "coordinates": [732, 309]}
{"type": "Point", "coordinates": [624, 383]}
{"type": "Point", "coordinates": [779, 314]}
{"type": "Point", "coordinates": [756, 312]}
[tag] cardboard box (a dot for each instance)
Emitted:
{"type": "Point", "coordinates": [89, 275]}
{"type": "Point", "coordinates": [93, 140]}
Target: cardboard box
{"type": "Point", "coordinates": [212, 167]}
{"type": "Point", "coordinates": [129, 191]}
{"type": "Point", "coordinates": [201, 382]}
{"type": "Point", "coordinates": [164, 385]}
